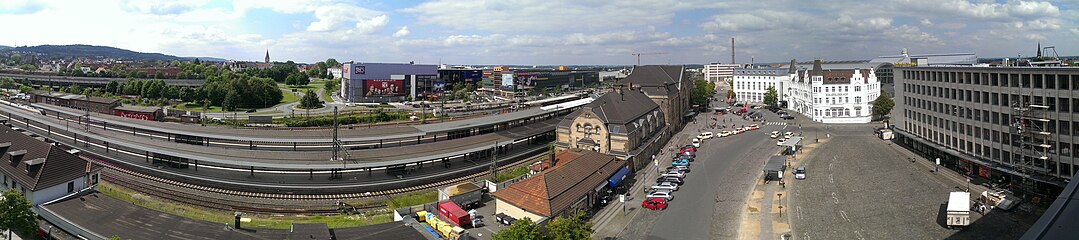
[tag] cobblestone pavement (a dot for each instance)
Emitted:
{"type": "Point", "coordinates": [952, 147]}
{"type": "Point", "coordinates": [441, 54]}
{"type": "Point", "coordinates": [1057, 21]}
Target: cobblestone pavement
{"type": "Point", "coordinates": [860, 187]}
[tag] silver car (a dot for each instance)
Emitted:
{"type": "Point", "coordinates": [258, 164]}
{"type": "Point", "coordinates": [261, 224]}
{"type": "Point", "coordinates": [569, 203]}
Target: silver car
{"type": "Point", "coordinates": [666, 194]}
{"type": "Point", "coordinates": [666, 186]}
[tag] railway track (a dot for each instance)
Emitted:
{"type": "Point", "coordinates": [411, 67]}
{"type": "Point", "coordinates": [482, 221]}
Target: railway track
{"type": "Point", "coordinates": [267, 203]}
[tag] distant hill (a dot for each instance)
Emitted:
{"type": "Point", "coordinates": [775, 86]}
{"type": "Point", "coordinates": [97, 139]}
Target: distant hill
{"type": "Point", "coordinates": [90, 51]}
{"type": "Point", "coordinates": [4, 47]}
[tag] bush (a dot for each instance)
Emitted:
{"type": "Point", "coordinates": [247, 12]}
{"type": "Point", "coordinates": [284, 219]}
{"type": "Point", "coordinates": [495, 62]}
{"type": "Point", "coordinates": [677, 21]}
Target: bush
{"type": "Point", "coordinates": [327, 120]}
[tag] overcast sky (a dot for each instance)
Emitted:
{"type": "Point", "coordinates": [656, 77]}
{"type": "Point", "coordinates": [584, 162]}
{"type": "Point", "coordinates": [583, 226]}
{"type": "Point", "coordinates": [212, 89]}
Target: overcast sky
{"type": "Point", "coordinates": [541, 32]}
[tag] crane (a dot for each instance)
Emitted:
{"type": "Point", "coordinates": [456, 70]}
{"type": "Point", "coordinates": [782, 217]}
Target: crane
{"type": "Point", "coordinates": [649, 53]}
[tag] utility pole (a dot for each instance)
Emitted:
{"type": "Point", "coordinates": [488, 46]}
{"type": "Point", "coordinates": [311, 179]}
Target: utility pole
{"type": "Point", "coordinates": [494, 162]}
{"type": "Point", "coordinates": [336, 143]}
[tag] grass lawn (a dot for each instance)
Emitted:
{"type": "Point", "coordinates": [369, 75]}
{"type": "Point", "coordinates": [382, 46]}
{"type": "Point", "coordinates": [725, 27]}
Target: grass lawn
{"type": "Point", "coordinates": [413, 199]}
{"type": "Point", "coordinates": [313, 85]}
{"type": "Point", "coordinates": [216, 216]}
{"type": "Point", "coordinates": [326, 96]}
{"type": "Point", "coordinates": [289, 97]}
{"type": "Point", "coordinates": [512, 173]}
{"type": "Point", "coordinates": [195, 107]}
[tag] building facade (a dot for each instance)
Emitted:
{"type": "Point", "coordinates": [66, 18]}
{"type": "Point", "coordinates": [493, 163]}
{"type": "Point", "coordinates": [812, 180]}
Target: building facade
{"type": "Point", "coordinates": [574, 182]}
{"type": "Point", "coordinates": [1012, 126]}
{"type": "Point", "coordinates": [625, 124]}
{"type": "Point", "coordinates": [668, 87]}
{"type": "Point", "coordinates": [720, 73]}
{"type": "Point", "coordinates": [832, 95]}
{"type": "Point", "coordinates": [386, 82]}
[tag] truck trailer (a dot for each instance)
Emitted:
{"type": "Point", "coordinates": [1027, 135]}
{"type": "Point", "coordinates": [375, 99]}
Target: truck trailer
{"type": "Point", "coordinates": [958, 209]}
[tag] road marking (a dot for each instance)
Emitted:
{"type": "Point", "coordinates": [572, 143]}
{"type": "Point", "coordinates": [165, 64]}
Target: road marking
{"type": "Point", "coordinates": [835, 198]}
{"type": "Point", "coordinates": [806, 234]}
{"type": "Point", "coordinates": [844, 214]}
{"type": "Point", "coordinates": [800, 213]}
{"type": "Point", "coordinates": [830, 178]}
{"type": "Point", "coordinates": [859, 235]}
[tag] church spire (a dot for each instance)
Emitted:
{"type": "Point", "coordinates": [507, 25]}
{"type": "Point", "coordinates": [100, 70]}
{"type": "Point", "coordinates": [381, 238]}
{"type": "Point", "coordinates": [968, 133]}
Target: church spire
{"type": "Point", "coordinates": [267, 56]}
{"type": "Point", "coordinates": [1039, 49]}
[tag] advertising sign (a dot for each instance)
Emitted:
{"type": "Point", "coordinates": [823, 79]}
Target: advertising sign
{"type": "Point", "coordinates": [359, 69]}
{"type": "Point", "coordinates": [384, 88]}
{"type": "Point", "coordinates": [439, 86]}
{"type": "Point", "coordinates": [136, 115]}
{"type": "Point", "coordinates": [507, 79]}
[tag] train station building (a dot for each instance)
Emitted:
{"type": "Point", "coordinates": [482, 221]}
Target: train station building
{"type": "Point", "coordinates": [667, 86]}
{"type": "Point", "coordinates": [624, 124]}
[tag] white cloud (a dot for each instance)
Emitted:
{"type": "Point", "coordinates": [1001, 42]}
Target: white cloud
{"type": "Point", "coordinates": [926, 22]}
{"type": "Point", "coordinates": [551, 15]}
{"type": "Point", "coordinates": [335, 17]}
{"type": "Point", "coordinates": [981, 10]}
{"type": "Point", "coordinates": [20, 7]}
{"type": "Point", "coordinates": [401, 32]}
{"type": "Point", "coordinates": [163, 7]}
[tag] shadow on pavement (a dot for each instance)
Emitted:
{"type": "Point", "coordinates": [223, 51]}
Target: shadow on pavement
{"type": "Point", "coordinates": [996, 224]}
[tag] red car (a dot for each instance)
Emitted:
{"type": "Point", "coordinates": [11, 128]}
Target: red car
{"type": "Point", "coordinates": [655, 203]}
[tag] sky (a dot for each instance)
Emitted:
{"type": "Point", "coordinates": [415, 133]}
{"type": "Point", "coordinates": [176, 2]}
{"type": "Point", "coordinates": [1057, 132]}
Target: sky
{"type": "Point", "coordinates": [548, 32]}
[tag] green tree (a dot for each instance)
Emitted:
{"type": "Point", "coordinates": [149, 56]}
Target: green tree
{"type": "Point", "coordinates": [297, 79]}
{"type": "Point", "coordinates": [112, 87]}
{"type": "Point", "coordinates": [15, 214]}
{"type": "Point", "coordinates": [523, 229]}
{"type": "Point", "coordinates": [702, 92]}
{"type": "Point", "coordinates": [883, 105]}
{"type": "Point", "coordinates": [771, 98]}
{"type": "Point", "coordinates": [570, 227]}
{"type": "Point", "coordinates": [310, 100]}
{"type": "Point", "coordinates": [25, 89]}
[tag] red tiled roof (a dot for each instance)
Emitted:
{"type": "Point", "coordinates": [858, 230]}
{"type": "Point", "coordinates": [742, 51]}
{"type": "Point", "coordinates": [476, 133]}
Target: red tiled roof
{"type": "Point", "coordinates": [575, 174]}
{"type": "Point", "coordinates": [59, 166]}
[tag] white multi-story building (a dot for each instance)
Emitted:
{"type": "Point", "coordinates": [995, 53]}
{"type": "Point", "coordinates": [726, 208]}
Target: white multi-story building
{"type": "Point", "coordinates": [719, 73]}
{"type": "Point", "coordinates": [827, 96]}
{"type": "Point", "coordinates": [750, 84]}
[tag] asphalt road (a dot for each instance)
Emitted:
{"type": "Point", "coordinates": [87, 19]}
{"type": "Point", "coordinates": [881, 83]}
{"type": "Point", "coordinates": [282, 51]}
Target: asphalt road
{"type": "Point", "coordinates": [710, 204]}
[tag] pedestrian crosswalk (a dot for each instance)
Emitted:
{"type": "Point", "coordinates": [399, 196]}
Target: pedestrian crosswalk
{"type": "Point", "coordinates": [777, 123]}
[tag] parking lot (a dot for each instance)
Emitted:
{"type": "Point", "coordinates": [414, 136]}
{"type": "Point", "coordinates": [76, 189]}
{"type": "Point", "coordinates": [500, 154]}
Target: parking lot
{"type": "Point", "coordinates": [860, 187]}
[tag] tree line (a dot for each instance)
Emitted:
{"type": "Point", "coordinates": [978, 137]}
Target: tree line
{"type": "Point", "coordinates": [229, 90]}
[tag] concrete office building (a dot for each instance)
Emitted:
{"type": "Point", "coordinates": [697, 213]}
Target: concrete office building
{"type": "Point", "coordinates": [1015, 127]}
{"type": "Point", "coordinates": [887, 63]}
{"type": "Point", "coordinates": [386, 82]}
{"type": "Point", "coordinates": [719, 73]}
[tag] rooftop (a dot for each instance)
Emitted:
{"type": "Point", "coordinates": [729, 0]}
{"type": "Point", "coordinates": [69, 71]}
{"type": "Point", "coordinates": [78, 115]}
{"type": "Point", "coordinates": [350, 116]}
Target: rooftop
{"type": "Point", "coordinates": [576, 172]}
{"type": "Point", "coordinates": [36, 164]}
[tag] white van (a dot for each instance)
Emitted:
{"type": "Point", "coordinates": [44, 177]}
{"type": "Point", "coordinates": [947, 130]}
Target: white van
{"type": "Point", "coordinates": [696, 142]}
{"type": "Point", "coordinates": [705, 135]}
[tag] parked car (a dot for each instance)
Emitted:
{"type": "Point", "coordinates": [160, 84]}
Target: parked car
{"type": "Point", "coordinates": [696, 142]}
{"type": "Point", "coordinates": [780, 142]}
{"type": "Point", "coordinates": [774, 134]}
{"type": "Point", "coordinates": [666, 186]}
{"type": "Point", "coordinates": [680, 168]}
{"type": "Point", "coordinates": [670, 179]}
{"type": "Point", "coordinates": [674, 174]}
{"type": "Point", "coordinates": [690, 146]}
{"type": "Point", "coordinates": [691, 151]}
{"type": "Point", "coordinates": [685, 157]}
{"type": "Point", "coordinates": [754, 127]}
{"type": "Point", "coordinates": [724, 133]}
{"type": "Point", "coordinates": [654, 203]}
{"type": "Point", "coordinates": [680, 162]}
{"type": "Point", "coordinates": [788, 135]}
{"type": "Point", "coordinates": [800, 172]}
{"type": "Point", "coordinates": [739, 130]}
{"type": "Point", "coordinates": [705, 135]}
{"type": "Point", "coordinates": [665, 194]}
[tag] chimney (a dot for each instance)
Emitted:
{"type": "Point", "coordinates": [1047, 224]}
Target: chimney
{"type": "Point", "coordinates": [732, 51]}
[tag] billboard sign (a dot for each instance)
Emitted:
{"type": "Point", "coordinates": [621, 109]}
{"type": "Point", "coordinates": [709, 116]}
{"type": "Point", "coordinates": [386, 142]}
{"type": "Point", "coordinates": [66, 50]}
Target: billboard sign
{"type": "Point", "coordinates": [507, 79]}
{"type": "Point", "coordinates": [359, 69]}
{"type": "Point", "coordinates": [439, 86]}
{"type": "Point", "coordinates": [384, 88]}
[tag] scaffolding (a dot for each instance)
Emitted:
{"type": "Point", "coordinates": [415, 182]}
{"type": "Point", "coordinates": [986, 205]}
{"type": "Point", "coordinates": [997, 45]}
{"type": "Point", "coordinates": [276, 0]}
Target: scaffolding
{"type": "Point", "coordinates": [1031, 137]}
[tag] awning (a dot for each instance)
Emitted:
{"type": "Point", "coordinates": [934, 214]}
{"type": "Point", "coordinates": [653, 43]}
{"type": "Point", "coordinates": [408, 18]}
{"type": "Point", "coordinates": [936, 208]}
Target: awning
{"type": "Point", "coordinates": [617, 178]}
{"type": "Point", "coordinates": [792, 142]}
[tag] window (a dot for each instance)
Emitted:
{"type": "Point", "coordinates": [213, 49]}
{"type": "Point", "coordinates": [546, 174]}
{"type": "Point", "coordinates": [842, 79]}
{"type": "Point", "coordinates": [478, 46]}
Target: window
{"type": "Point", "coordinates": [71, 187]}
{"type": "Point", "coordinates": [857, 88]}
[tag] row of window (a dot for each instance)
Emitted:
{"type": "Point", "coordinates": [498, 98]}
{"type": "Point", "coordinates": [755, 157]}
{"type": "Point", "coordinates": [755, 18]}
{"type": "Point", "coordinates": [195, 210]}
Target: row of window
{"type": "Point", "coordinates": [837, 100]}
{"type": "Point", "coordinates": [1054, 104]}
{"type": "Point", "coordinates": [975, 147]}
{"type": "Point", "coordinates": [840, 112]}
{"type": "Point", "coordinates": [1026, 80]}
{"type": "Point", "coordinates": [742, 85]}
